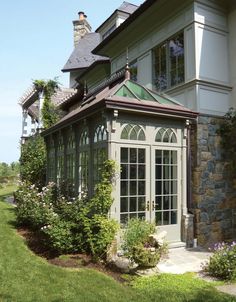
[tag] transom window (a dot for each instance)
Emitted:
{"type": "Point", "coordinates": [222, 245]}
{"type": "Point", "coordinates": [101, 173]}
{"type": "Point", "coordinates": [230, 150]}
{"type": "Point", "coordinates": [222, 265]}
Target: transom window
{"type": "Point", "coordinates": [133, 132]}
{"type": "Point", "coordinates": [100, 134]}
{"type": "Point", "coordinates": [169, 63]}
{"type": "Point", "coordinates": [166, 135]}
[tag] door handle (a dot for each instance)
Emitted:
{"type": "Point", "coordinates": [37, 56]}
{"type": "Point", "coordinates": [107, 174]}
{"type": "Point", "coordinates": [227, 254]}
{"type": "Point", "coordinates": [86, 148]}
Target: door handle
{"type": "Point", "coordinates": [153, 205]}
{"type": "Point", "coordinates": [148, 206]}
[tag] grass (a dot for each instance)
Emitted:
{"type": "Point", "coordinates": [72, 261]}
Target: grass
{"type": "Point", "coordinates": [7, 190]}
{"type": "Point", "coordinates": [25, 277]}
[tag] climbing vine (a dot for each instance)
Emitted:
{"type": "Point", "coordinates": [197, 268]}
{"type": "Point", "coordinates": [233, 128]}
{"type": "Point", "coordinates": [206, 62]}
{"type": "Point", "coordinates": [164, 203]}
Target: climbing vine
{"type": "Point", "coordinates": [50, 114]}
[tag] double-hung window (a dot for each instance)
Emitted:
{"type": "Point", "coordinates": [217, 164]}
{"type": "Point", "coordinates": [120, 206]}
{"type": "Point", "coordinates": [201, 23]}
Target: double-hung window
{"type": "Point", "coordinates": [169, 63]}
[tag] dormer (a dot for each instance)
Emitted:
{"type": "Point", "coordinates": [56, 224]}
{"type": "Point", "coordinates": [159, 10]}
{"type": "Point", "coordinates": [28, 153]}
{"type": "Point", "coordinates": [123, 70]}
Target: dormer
{"type": "Point", "coordinates": [116, 19]}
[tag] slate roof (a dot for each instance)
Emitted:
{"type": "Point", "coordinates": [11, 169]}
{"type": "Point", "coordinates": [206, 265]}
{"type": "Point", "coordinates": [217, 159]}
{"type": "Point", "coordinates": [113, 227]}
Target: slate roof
{"type": "Point", "coordinates": [82, 56]}
{"type": "Point", "coordinates": [30, 102]}
{"type": "Point", "coordinates": [127, 7]}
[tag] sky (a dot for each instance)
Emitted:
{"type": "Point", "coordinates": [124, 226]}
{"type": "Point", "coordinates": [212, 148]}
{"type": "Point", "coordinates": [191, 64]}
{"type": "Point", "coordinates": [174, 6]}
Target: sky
{"type": "Point", "coordinates": [36, 39]}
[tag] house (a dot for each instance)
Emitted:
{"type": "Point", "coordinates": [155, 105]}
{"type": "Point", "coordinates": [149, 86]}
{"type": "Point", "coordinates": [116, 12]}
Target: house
{"type": "Point", "coordinates": [148, 89]}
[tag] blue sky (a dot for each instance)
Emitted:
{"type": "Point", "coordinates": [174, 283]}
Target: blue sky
{"type": "Point", "coordinates": [36, 39]}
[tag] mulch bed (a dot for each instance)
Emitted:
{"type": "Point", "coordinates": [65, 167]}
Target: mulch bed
{"type": "Point", "coordinates": [35, 242]}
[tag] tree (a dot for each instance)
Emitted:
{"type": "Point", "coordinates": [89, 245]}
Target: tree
{"type": "Point", "coordinates": [33, 161]}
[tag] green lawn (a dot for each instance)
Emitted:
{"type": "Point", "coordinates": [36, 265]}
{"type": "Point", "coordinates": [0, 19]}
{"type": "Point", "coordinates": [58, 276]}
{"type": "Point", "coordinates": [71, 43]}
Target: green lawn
{"type": "Point", "coordinates": [7, 190]}
{"type": "Point", "coordinates": [25, 277]}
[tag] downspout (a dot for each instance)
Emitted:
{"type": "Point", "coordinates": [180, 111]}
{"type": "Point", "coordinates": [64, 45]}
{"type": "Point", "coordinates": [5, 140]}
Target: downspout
{"type": "Point", "coordinates": [189, 166]}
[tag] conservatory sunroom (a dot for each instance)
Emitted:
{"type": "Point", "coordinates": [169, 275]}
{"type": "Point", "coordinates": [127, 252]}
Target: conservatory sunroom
{"type": "Point", "coordinates": [145, 133]}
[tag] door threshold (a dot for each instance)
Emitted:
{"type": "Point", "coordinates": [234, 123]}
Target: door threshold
{"type": "Point", "coordinates": [176, 244]}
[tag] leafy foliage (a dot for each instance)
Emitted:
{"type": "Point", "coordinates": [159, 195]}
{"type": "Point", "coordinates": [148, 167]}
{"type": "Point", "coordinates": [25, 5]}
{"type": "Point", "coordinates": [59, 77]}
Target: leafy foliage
{"type": "Point", "coordinates": [136, 232]}
{"type": "Point", "coordinates": [8, 173]}
{"type": "Point", "coordinates": [70, 225]}
{"type": "Point", "coordinates": [138, 246]}
{"type": "Point", "coordinates": [33, 161]}
{"type": "Point", "coordinates": [223, 262]}
{"type": "Point", "coordinates": [50, 114]}
{"type": "Point", "coordinates": [227, 132]}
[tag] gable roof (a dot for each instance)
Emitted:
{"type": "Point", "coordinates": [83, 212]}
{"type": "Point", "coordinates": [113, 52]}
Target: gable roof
{"type": "Point", "coordinates": [82, 56]}
{"type": "Point", "coordinates": [125, 7]}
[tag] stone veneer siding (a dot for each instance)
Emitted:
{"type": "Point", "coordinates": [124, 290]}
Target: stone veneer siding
{"type": "Point", "coordinates": [213, 193]}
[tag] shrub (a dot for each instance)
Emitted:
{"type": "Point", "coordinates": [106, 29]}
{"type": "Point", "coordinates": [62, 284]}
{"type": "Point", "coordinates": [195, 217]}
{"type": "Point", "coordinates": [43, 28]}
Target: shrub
{"type": "Point", "coordinates": [138, 246]}
{"type": "Point", "coordinates": [70, 224]}
{"type": "Point", "coordinates": [137, 232]}
{"type": "Point", "coordinates": [58, 236]}
{"type": "Point", "coordinates": [34, 208]}
{"type": "Point", "coordinates": [33, 161]}
{"type": "Point", "coordinates": [222, 264]}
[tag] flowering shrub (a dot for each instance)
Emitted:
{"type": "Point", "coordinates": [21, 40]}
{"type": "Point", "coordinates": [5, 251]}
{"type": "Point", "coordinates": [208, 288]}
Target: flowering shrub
{"type": "Point", "coordinates": [70, 224]}
{"type": "Point", "coordinates": [222, 263]}
{"type": "Point", "coordinates": [34, 208]}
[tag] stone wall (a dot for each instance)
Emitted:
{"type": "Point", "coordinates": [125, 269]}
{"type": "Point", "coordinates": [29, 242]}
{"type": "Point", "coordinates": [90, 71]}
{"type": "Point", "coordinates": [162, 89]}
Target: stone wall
{"type": "Point", "coordinates": [213, 192]}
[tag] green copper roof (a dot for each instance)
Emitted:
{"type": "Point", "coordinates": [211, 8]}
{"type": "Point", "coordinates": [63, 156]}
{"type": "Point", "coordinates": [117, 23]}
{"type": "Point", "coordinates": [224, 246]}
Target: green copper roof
{"type": "Point", "coordinates": [131, 89]}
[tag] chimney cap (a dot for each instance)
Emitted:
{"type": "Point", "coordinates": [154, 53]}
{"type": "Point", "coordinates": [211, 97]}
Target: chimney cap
{"type": "Point", "coordinates": [82, 15]}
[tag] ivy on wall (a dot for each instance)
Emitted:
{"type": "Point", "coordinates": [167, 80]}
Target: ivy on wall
{"type": "Point", "coordinates": [227, 131]}
{"type": "Point", "coordinates": [50, 114]}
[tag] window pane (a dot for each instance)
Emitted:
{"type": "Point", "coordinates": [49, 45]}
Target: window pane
{"type": "Point", "coordinates": [124, 155]}
{"type": "Point", "coordinates": [173, 217]}
{"type": "Point", "coordinates": [141, 204]}
{"type": "Point", "coordinates": [133, 171]}
{"type": "Point", "coordinates": [124, 188]}
{"type": "Point", "coordinates": [158, 204]}
{"type": "Point", "coordinates": [141, 155]}
{"type": "Point", "coordinates": [133, 188]}
{"type": "Point", "coordinates": [166, 218]}
{"type": "Point", "coordinates": [124, 171]}
{"type": "Point", "coordinates": [141, 172]}
{"type": "Point", "coordinates": [141, 188]}
{"type": "Point", "coordinates": [133, 204]}
{"type": "Point", "coordinates": [133, 155]}
{"type": "Point", "coordinates": [124, 204]}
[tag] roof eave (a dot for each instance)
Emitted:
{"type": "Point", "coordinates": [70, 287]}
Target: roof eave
{"type": "Point", "coordinates": [165, 111]}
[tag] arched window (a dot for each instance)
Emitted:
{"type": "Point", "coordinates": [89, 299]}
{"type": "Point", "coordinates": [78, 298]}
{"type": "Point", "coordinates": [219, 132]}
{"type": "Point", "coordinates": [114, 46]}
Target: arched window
{"type": "Point", "coordinates": [60, 160]}
{"type": "Point", "coordinates": [51, 160]}
{"type": "Point", "coordinates": [133, 132]}
{"type": "Point", "coordinates": [70, 158]}
{"type": "Point", "coordinates": [100, 134]}
{"type": "Point", "coordinates": [99, 151]}
{"type": "Point", "coordinates": [166, 135]}
{"type": "Point", "coordinates": [83, 161]}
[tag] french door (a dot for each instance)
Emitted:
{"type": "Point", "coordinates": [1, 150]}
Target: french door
{"type": "Point", "coordinates": [149, 187]}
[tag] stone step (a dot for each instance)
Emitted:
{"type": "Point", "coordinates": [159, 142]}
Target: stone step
{"type": "Point", "coordinates": [176, 244]}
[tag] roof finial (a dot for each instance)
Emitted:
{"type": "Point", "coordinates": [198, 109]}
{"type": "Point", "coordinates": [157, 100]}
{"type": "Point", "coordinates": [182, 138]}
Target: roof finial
{"type": "Point", "coordinates": [127, 69]}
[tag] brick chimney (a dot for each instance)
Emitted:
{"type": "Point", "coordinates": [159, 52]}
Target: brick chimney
{"type": "Point", "coordinates": [81, 27]}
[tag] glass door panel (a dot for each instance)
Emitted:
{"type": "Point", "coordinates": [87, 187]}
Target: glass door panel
{"type": "Point", "coordinates": [165, 192]}
{"type": "Point", "coordinates": [133, 180]}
